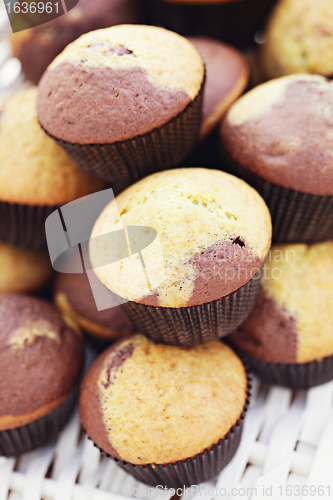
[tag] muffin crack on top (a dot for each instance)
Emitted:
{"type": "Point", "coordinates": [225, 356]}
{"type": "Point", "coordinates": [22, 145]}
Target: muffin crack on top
{"type": "Point", "coordinates": [116, 83]}
{"type": "Point", "coordinates": [213, 234]}
{"type": "Point", "coordinates": [162, 404]}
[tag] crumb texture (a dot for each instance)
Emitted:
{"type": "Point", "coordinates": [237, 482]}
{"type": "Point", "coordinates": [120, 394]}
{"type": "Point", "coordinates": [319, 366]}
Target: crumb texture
{"type": "Point", "coordinates": [34, 170]}
{"type": "Point", "coordinates": [210, 225]}
{"type": "Point", "coordinates": [164, 403]}
{"type": "Point", "coordinates": [299, 38]}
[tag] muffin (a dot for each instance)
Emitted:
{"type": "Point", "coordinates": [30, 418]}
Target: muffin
{"type": "Point", "coordinates": [227, 75]}
{"type": "Point", "coordinates": [232, 21]}
{"type": "Point", "coordinates": [277, 137]}
{"type": "Point", "coordinates": [147, 85]}
{"type": "Point", "coordinates": [213, 234]}
{"type": "Point", "coordinates": [23, 270]}
{"type": "Point", "coordinates": [41, 360]}
{"type": "Point", "coordinates": [36, 175]}
{"type": "Point", "coordinates": [287, 339]}
{"type": "Point", "coordinates": [37, 47]}
{"type": "Point", "coordinates": [299, 39]}
{"type": "Point", "coordinates": [74, 298]}
{"type": "Point", "coordinates": [183, 421]}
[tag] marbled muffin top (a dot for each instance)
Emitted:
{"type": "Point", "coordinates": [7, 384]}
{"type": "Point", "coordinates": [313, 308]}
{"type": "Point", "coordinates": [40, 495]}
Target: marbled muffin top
{"type": "Point", "coordinates": [23, 270]}
{"type": "Point", "coordinates": [227, 75]}
{"type": "Point", "coordinates": [149, 403]}
{"type": "Point", "coordinates": [214, 232]}
{"type": "Point", "coordinates": [74, 298]}
{"type": "Point", "coordinates": [34, 170]}
{"type": "Point", "coordinates": [37, 47]}
{"type": "Point", "coordinates": [292, 321]}
{"type": "Point", "coordinates": [40, 359]}
{"type": "Point", "coordinates": [116, 83]}
{"type": "Point", "coordinates": [299, 38]}
{"type": "Point", "coordinates": [282, 130]}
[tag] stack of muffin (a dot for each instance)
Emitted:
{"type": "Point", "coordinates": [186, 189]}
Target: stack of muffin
{"type": "Point", "coordinates": [127, 107]}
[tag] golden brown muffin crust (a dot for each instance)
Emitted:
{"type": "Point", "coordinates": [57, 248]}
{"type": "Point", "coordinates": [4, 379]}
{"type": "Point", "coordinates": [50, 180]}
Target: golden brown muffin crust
{"type": "Point", "coordinates": [34, 170]}
{"type": "Point", "coordinates": [160, 404]}
{"type": "Point", "coordinates": [23, 270]}
{"type": "Point", "coordinates": [212, 228]}
{"type": "Point", "coordinates": [299, 39]}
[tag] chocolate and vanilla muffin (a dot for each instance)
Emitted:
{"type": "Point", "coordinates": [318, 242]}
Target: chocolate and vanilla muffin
{"type": "Point", "coordinates": [41, 360]}
{"type": "Point", "coordinates": [36, 175]}
{"type": "Point", "coordinates": [23, 270]}
{"type": "Point", "coordinates": [278, 138]}
{"type": "Point", "coordinates": [124, 101]}
{"type": "Point", "coordinates": [299, 39]}
{"type": "Point", "coordinates": [169, 415]}
{"type": "Point", "coordinates": [74, 298]}
{"type": "Point", "coordinates": [227, 75]}
{"type": "Point", "coordinates": [232, 21]}
{"type": "Point", "coordinates": [288, 338]}
{"type": "Point", "coordinates": [37, 47]}
{"type": "Point", "coordinates": [213, 232]}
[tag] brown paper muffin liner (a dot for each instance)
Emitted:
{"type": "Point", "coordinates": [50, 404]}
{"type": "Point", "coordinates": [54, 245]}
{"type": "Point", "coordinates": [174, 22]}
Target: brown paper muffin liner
{"type": "Point", "coordinates": [295, 376]}
{"type": "Point", "coordinates": [194, 325]}
{"type": "Point", "coordinates": [133, 159]}
{"type": "Point", "coordinates": [296, 217]}
{"type": "Point", "coordinates": [39, 432]}
{"type": "Point", "coordinates": [193, 470]}
{"type": "Point", "coordinates": [232, 22]}
{"type": "Point", "coordinates": [24, 225]}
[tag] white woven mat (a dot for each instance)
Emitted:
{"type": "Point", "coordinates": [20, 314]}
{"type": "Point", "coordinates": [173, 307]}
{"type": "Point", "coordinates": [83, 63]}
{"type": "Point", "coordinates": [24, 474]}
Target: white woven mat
{"type": "Point", "coordinates": [286, 450]}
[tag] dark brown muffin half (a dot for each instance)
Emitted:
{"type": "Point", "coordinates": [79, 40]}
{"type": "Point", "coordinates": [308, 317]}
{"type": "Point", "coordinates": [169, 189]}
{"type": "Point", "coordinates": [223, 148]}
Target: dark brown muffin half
{"type": "Point", "coordinates": [74, 297]}
{"type": "Point", "coordinates": [41, 360]}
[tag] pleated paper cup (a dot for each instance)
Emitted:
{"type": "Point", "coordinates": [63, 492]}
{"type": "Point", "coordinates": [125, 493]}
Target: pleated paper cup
{"type": "Point", "coordinates": [24, 225]}
{"type": "Point", "coordinates": [133, 159]}
{"type": "Point", "coordinates": [193, 470]}
{"type": "Point", "coordinates": [194, 325]}
{"type": "Point", "coordinates": [295, 376]}
{"type": "Point", "coordinates": [296, 217]}
{"type": "Point", "coordinates": [38, 432]}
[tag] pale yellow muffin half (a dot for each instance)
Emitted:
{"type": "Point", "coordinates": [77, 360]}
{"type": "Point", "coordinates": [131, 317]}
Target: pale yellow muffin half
{"type": "Point", "coordinates": [299, 39]}
{"type": "Point", "coordinates": [213, 234]}
{"type": "Point", "coordinates": [23, 270]}
{"type": "Point", "coordinates": [34, 170]}
{"type": "Point", "coordinates": [148, 403]}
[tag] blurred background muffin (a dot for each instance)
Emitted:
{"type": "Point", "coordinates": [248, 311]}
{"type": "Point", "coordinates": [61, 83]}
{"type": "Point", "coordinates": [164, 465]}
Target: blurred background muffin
{"type": "Point", "coordinates": [37, 47]}
{"type": "Point", "coordinates": [227, 75]}
{"type": "Point", "coordinates": [74, 298]}
{"type": "Point", "coordinates": [41, 359]}
{"type": "Point", "coordinates": [147, 84]}
{"type": "Point", "coordinates": [36, 175]}
{"type": "Point", "coordinates": [232, 21]}
{"type": "Point", "coordinates": [171, 416]}
{"type": "Point", "coordinates": [23, 270]}
{"type": "Point", "coordinates": [288, 338]}
{"type": "Point", "coordinates": [278, 138]}
{"type": "Point", "coordinates": [213, 235]}
{"type": "Point", "coordinates": [299, 39]}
